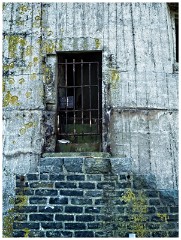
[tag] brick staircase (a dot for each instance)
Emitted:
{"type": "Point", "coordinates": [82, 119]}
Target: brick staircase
{"type": "Point", "coordinates": [81, 197]}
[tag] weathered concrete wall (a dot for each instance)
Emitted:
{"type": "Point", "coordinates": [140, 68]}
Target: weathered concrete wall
{"type": "Point", "coordinates": [137, 43]}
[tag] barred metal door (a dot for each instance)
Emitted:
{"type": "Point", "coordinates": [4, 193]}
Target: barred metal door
{"type": "Point", "coordinates": [79, 101]}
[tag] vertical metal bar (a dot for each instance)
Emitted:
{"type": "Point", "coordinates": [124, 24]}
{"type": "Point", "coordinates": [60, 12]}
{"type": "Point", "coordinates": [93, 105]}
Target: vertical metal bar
{"type": "Point", "coordinates": [90, 97]}
{"type": "Point", "coordinates": [74, 94]}
{"type": "Point", "coordinates": [98, 94]}
{"type": "Point", "coordinates": [82, 96]}
{"type": "Point", "coordinates": [66, 96]}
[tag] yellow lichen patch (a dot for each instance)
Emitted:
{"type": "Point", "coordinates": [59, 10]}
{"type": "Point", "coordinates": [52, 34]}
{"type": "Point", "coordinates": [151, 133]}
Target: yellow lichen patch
{"type": "Point", "coordinates": [60, 44]}
{"type": "Point", "coordinates": [25, 127]}
{"type": "Point", "coordinates": [14, 100]}
{"type": "Point", "coordinates": [20, 22]}
{"type": "Point", "coordinates": [13, 41]}
{"type": "Point", "coordinates": [39, 40]}
{"type": "Point", "coordinates": [11, 81]}
{"type": "Point", "coordinates": [30, 64]}
{"type": "Point", "coordinates": [22, 130]}
{"type": "Point", "coordinates": [98, 43]}
{"type": "Point", "coordinates": [128, 196]}
{"type": "Point", "coordinates": [22, 42]}
{"type": "Point", "coordinates": [48, 47]}
{"type": "Point", "coordinates": [3, 86]}
{"type": "Point", "coordinates": [22, 9]}
{"type": "Point", "coordinates": [11, 65]}
{"type": "Point", "coordinates": [33, 76]}
{"type": "Point", "coordinates": [6, 67]}
{"type": "Point", "coordinates": [29, 125]}
{"type": "Point", "coordinates": [8, 225]}
{"type": "Point", "coordinates": [21, 201]}
{"type": "Point", "coordinates": [28, 50]}
{"type": "Point", "coordinates": [21, 80]}
{"type": "Point", "coordinates": [163, 216]}
{"type": "Point", "coordinates": [37, 18]}
{"type": "Point", "coordinates": [28, 94]}
{"type": "Point", "coordinates": [49, 33]}
{"type": "Point", "coordinates": [137, 210]}
{"type": "Point", "coordinates": [114, 75]}
{"type": "Point", "coordinates": [27, 231]}
{"type": "Point", "coordinates": [35, 60]}
{"type": "Point", "coordinates": [9, 99]}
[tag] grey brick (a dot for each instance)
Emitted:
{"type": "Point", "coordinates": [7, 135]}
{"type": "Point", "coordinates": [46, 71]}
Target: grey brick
{"type": "Point", "coordinates": [57, 177]}
{"type": "Point", "coordinates": [31, 177]}
{"type": "Point", "coordinates": [65, 185]}
{"type": "Point", "coordinates": [162, 209]}
{"type": "Point", "coordinates": [71, 192]}
{"type": "Point", "coordinates": [93, 193]}
{"type": "Point", "coordinates": [52, 225]}
{"type": "Point", "coordinates": [104, 185]}
{"type": "Point", "coordinates": [17, 225]}
{"type": "Point", "coordinates": [85, 218]}
{"type": "Point", "coordinates": [20, 217]}
{"type": "Point", "coordinates": [159, 234]}
{"type": "Point", "coordinates": [36, 234]}
{"type": "Point", "coordinates": [59, 234]}
{"type": "Point", "coordinates": [174, 209]}
{"type": "Point", "coordinates": [73, 164]}
{"type": "Point", "coordinates": [18, 233]}
{"type": "Point", "coordinates": [25, 209]}
{"type": "Point", "coordinates": [92, 209]}
{"type": "Point", "coordinates": [41, 185]}
{"type": "Point", "coordinates": [46, 192]}
{"type": "Point", "coordinates": [51, 209]}
{"type": "Point", "coordinates": [73, 209]}
{"type": "Point", "coordinates": [94, 177]}
{"type": "Point", "coordinates": [26, 192]}
{"type": "Point", "coordinates": [154, 202]}
{"type": "Point", "coordinates": [153, 226]}
{"type": "Point", "coordinates": [146, 181]}
{"type": "Point", "coordinates": [97, 165]}
{"type": "Point", "coordinates": [173, 234]}
{"type": "Point", "coordinates": [75, 226]}
{"type": "Point", "coordinates": [64, 217]}
{"type": "Point", "coordinates": [95, 225]}
{"type": "Point", "coordinates": [81, 201]}
{"type": "Point", "coordinates": [44, 177]}
{"type": "Point", "coordinates": [76, 177]}
{"type": "Point", "coordinates": [60, 200]}
{"type": "Point", "coordinates": [84, 234]}
{"type": "Point", "coordinates": [151, 193]}
{"type": "Point", "coordinates": [37, 200]}
{"type": "Point", "coordinates": [41, 217]}
{"type": "Point", "coordinates": [173, 218]}
{"type": "Point", "coordinates": [87, 185]}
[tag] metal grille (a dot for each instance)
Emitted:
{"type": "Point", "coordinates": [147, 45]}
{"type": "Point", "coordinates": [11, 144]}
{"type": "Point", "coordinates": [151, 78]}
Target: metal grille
{"type": "Point", "coordinates": [79, 105]}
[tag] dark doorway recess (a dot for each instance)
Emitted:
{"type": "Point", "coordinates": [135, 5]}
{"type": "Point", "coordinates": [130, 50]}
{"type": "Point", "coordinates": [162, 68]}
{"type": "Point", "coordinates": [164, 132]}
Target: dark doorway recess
{"type": "Point", "coordinates": [79, 111]}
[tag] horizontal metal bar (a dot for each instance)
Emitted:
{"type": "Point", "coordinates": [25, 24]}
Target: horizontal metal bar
{"type": "Point", "coordinates": [78, 63]}
{"type": "Point", "coordinates": [78, 134]}
{"type": "Point", "coordinates": [78, 86]}
{"type": "Point", "coordinates": [69, 110]}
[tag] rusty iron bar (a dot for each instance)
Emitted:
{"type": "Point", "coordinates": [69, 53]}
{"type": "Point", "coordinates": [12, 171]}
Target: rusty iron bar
{"type": "Point", "coordinates": [90, 95]}
{"type": "Point", "coordinates": [66, 93]}
{"type": "Point", "coordinates": [98, 125]}
{"type": "Point", "coordinates": [73, 85]}
{"type": "Point", "coordinates": [82, 96]}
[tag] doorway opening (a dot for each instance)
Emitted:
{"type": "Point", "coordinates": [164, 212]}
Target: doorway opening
{"type": "Point", "coordinates": [79, 106]}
